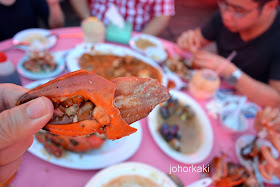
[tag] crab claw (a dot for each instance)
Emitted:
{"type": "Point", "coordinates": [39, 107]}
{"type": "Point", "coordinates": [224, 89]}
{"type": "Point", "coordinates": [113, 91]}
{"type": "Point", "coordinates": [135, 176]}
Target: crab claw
{"type": "Point", "coordinates": [137, 97]}
{"type": "Point", "coordinates": [84, 103]}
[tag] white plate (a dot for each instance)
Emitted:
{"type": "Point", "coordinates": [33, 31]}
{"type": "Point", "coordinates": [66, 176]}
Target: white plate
{"type": "Point", "coordinates": [245, 140]}
{"type": "Point", "coordinates": [111, 152]}
{"type": "Point", "coordinates": [59, 60]}
{"type": "Point", "coordinates": [179, 84]}
{"type": "Point", "coordinates": [72, 60]}
{"type": "Point", "coordinates": [44, 32]}
{"type": "Point", "coordinates": [130, 168]}
{"type": "Point", "coordinates": [157, 53]}
{"type": "Point", "coordinates": [206, 132]}
{"type": "Point", "coordinates": [35, 84]}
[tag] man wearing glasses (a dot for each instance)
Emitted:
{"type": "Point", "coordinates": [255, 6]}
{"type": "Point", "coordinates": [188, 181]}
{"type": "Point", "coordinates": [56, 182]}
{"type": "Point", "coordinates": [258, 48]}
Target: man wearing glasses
{"type": "Point", "coordinates": [252, 29]}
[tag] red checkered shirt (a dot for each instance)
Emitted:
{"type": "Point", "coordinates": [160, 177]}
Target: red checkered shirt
{"type": "Point", "coordinates": [136, 12]}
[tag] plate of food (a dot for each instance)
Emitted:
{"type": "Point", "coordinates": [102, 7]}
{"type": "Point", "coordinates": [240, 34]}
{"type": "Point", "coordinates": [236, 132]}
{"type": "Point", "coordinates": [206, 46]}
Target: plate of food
{"type": "Point", "coordinates": [181, 129]}
{"type": "Point", "coordinates": [85, 153]}
{"type": "Point", "coordinates": [252, 150]}
{"type": "Point", "coordinates": [84, 104]}
{"type": "Point", "coordinates": [41, 64]}
{"type": "Point", "coordinates": [29, 36]}
{"type": "Point", "coordinates": [130, 174]}
{"type": "Point", "coordinates": [228, 173]}
{"type": "Point", "coordinates": [112, 61]}
{"type": "Point", "coordinates": [148, 45]}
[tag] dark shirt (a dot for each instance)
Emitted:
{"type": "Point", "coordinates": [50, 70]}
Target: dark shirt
{"type": "Point", "coordinates": [259, 57]}
{"type": "Point", "coordinates": [23, 14]}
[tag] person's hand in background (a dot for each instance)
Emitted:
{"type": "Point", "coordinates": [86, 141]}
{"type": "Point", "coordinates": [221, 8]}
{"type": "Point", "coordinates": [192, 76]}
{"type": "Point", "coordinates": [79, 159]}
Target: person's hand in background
{"type": "Point", "coordinates": [192, 40]}
{"type": "Point", "coordinates": [17, 126]}
{"type": "Point", "coordinates": [207, 60]}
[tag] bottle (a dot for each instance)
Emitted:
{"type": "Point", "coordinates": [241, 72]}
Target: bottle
{"type": "Point", "coordinates": [8, 73]}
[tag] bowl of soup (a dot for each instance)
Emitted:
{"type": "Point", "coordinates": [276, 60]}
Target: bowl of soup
{"type": "Point", "coordinates": [130, 174]}
{"type": "Point", "coordinates": [181, 128]}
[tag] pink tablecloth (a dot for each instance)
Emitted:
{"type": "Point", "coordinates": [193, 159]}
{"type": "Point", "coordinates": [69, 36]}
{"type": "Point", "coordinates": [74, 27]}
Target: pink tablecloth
{"type": "Point", "coordinates": [36, 172]}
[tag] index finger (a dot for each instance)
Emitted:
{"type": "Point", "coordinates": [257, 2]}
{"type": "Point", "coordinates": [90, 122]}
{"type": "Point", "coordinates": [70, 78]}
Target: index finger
{"type": "Point", "coordinates": [9, 94]}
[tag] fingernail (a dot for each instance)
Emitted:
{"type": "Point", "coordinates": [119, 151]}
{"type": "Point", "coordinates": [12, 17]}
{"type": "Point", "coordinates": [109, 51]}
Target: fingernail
{"type": "Point", "coordinates": [36, 109]}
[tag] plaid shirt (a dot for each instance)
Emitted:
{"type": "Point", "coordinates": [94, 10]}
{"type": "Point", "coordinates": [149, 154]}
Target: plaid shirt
{"type": "Point", "coordinates": [136, 12]}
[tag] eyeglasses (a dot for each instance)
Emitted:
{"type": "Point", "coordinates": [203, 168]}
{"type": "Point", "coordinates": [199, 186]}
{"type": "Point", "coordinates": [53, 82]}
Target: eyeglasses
{"type": "Point", "coordinates": [235, 11]}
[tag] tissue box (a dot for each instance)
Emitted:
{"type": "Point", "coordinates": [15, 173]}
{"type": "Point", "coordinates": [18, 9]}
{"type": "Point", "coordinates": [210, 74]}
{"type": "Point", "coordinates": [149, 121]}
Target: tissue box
{"type": "Point", "coordinates": [118, 35]}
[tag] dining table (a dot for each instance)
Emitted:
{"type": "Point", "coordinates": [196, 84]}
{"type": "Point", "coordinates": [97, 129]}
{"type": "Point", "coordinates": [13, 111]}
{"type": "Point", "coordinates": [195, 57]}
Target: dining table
{"type": "Point", "coordinates": [34, 172]}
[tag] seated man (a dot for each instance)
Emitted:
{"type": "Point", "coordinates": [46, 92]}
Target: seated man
{"type": "Point", "coordinates": [252, 29]}
{"type": "Point", "coordinates": [148, 16]}
{"type": "Point", "coordinates": [17, 15]}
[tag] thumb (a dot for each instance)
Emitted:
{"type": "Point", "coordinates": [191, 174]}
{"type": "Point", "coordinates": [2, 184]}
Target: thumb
{"type": "Point", "coordinates": [24, 120]}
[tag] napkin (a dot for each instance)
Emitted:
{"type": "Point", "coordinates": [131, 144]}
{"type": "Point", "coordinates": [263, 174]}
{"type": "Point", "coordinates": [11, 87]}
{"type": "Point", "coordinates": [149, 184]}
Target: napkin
{"type": "Point", "coordinates": [113, 15]}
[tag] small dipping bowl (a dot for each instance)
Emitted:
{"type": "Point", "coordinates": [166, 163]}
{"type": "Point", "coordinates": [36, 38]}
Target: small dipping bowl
{"type": "Point", "coordinates": [157, 54]}
{"type": "Point", "coordinates": [241, 127]}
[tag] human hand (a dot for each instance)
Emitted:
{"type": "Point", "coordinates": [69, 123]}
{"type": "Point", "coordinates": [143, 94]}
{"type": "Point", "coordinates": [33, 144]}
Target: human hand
{"type": "Point", "coordinates": [189, 41]}
{"type": "Point", "coordinates": [17, 126]}
{"type": "Point", "coordinates": [208, 60]}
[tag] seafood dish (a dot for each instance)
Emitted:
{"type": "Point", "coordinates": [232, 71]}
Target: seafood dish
{"type": "Point", "coordinates": [265, 155]}
{"type": "Point", "coordinates": [177, 119]}
{"type": "Point", "coordinates": [40, 62]}
{"type": "Point", "coordinates": [229, 174]}
{"type": "Point", "coordinates": [178, 66]}
{"type": "Point", "coordinates": [268, 165]}
{"type": "Point", "coordinates": [143, 44]}
{"type": "Point", "coordinates": [32, 37]}
{"type": "Point", "coordinates": [57, 144]}
{"type": "Point", "coordinates": [113, 66]}
{"type": "Point", "coordinates": [86, 103]}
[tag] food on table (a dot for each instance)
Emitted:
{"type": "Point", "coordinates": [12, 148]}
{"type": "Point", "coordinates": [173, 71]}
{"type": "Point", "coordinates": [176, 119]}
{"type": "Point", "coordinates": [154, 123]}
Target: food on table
{"type": "Point", "coordinates": [268, 164]}
{"type": "Point", "coordinates": [112, 66]}
{"type": "Point", "coordinates": [179, 126]}
{"type": "Point", "coordinates": [94, 30]}
{"type": "Point", "coordinates": [204, 84]}
{"type": "Point", "coordinates": [230, 174]}
{"type": "Point", "coordinates": [40, 62]}
{"type": "Point", "coordinates": [177, 65]}
{"type": "Point", "coordinates": [143, 44]}
{"type": "Point", "coordinates": [131, 181]}
{"type": "Point", "coordinates": [86, 103]}
{"type": "Point", "coordinates": [58, 144]}
{"type": "Point", "coordinates": [32, 37]}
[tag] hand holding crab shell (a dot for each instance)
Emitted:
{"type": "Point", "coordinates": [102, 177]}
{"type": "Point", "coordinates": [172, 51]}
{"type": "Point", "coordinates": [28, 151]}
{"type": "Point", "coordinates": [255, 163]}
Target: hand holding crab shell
{"type": "Point", "coordinates": [86, 103]}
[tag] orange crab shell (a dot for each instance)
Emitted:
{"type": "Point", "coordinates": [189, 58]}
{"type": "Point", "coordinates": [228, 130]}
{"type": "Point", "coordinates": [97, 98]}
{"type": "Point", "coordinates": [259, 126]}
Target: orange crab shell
{"type": "Point", "coordinates": [91, 86]}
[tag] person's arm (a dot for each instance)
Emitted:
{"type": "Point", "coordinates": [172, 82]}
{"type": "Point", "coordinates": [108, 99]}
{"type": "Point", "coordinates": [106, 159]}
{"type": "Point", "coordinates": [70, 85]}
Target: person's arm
{"type": "Point", "coordinates": [81, 7]}
{"type": "Point", "coordinates": [56, 17]}
{"type": "Point", "coordinates": [256, 91]}
{"type": "Point", "coordinates": [156, 25]}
